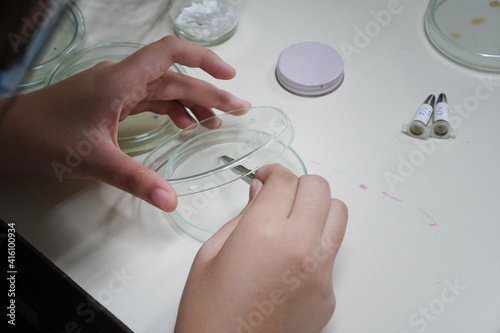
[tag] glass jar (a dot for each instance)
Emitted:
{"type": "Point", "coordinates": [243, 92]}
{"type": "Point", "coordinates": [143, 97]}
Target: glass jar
{"type": "Point", "coordinates": [206, 22]}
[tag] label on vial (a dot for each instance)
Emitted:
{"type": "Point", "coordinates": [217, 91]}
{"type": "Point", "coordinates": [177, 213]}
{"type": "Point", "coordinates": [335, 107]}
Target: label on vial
{"type": "Point", "coordinates": [424, 113]}
{"type": "Point", "coordinates": [442, 112]}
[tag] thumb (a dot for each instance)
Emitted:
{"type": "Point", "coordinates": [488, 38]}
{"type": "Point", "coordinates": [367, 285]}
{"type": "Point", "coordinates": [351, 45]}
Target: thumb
{"type": "Point", "coordinates": [255, 187]}
{"type": "Point", "coordinates": [123, 172]}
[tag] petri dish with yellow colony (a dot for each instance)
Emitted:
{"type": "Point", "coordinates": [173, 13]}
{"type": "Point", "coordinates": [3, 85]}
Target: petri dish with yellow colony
{"type": "Point", "coordinates": [466, 31]}
{"type": "Point", "coordinates": [137, 134]}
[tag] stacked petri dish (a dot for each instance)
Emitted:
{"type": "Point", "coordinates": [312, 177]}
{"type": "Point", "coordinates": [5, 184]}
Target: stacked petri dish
{"type": "Point", "coordinates": [66, 39]}
{"type": "Point", "coordinates": [139, 133]}
{"type": "Point", "coordinates": [210, 164]}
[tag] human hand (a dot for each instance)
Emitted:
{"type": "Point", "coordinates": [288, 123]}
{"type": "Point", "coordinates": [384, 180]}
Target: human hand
{"type": "Point", "coordinates": [270, 268]}
{"type": "Point", "coordinates": [81, 115]}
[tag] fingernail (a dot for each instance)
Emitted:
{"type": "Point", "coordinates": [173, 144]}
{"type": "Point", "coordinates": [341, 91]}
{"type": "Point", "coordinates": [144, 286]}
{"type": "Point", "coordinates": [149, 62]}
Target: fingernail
{"type": "Point", "coordinates": [162, 199]}
{"type": "Point", "coordinates": [255, 187]}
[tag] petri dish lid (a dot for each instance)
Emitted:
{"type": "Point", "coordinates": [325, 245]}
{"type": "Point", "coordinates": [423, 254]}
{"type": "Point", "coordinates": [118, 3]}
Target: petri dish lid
{"type": "Point", "coordinates": [65, 39]}
{"type": "Point", "coordinates": [466, 31]}
{"type": "Point", "coordinates": [191, 160]}
{"type": "Point", "coordinates": [310, 69]}
{"type": "Point", "coordinates": [139, 133]}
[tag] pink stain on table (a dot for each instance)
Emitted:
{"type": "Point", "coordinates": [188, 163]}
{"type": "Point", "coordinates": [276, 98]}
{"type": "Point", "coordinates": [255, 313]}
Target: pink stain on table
{"type": "Point", "coordinates": [434, 223]}
{"type": "Point", "coordinates": [391, 197]}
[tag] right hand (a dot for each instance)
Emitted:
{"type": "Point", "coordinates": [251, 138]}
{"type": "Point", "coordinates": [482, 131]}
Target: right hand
{"type": "Point", "coordinates": [270, 268]}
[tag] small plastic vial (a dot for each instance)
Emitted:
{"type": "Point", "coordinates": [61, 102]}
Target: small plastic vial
{"type": "Point", "coordinates": [441, 127]}
{"type": "Point", "coordinates": [206, 22]}
{"type": "Point", "coordinates": [418, 126]}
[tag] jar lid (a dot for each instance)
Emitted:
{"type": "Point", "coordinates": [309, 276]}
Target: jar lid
{"type": "Point", "coordinates": [466, 31]}
{"type": "Point", "coordinates": [310, 69]}
{"type": "Point", "coordinates": [222, 149]}
{"type": "Point", "coordinates": [65, 39]}
{"type": "Point", "coordinates": [138, 133]}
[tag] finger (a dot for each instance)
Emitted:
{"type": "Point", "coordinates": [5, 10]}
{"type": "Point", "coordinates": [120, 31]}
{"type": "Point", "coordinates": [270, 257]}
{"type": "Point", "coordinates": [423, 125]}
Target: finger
{"type": "Point", "coordinates": [191, 91]}
{"type": "Point", "coordinates": [193, 55]}
{"type": "Point", "coordinates": [121, 171]}
{"type": "Point", "coordinates": [335, 227]}
{"type": "Point", "coordinates": [213, 246]}
{"type": "Point", "coordinates": [275, 199]}
{"type": "Point", "coordinates": [312, 205]}
{"type": "Point", "coordinates": [178, 113]}
{"type": "Point", "coordinates": [174, 109]}
{"type": "Point", "coordinates": [255, 188]}
{"type": "Point", "coordinates": [201, 113]}
{"type": "Point", "coordinates": [153, 60]}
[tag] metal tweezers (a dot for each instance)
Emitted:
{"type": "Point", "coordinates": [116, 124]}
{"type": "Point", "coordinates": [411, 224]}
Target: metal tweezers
{"type": "Point", "coordinates": [247, 174]}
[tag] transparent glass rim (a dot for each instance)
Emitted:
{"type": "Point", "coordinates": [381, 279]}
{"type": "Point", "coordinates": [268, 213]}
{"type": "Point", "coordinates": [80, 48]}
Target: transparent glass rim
{"type": "Point", "coordinates": [178, 218]}
{"type": "Point", "coordinates": [42, 71]}
{"type": "Point", "coordinates": [451, 48]}
{"type": "Point", "coordinates": [67, 64]}
{"type": "Point", "coordinates": [273, 143]}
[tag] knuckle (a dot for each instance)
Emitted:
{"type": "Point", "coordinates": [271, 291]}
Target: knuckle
{"type": "Point", "coordinates": [274, 167]}
{"type": "Point", "coordinates": [341, 207]}
{"type": "Point", "coordinates": [223, 98]}
{"type": "Point", "coordinates": [282, 172]}
{"type": "Point", "coordinates": [171, 46]}
{"type": "Point", "coordinates": [130, 181]}
{"type": "Point", "coordinates": [168, 41]}
{"type": "Point", "coordinates": [297, 256]}
{"type": "Point", "coordinates": [169, 92]}
{"type": "Point", "coordinates": [266, 234]}
{"type": "Point", "coordinates": [319, 182]}
{"type": "Point", "coordinates": [329, 305]}
{"type": "Point", "coordinates": [287, 175]}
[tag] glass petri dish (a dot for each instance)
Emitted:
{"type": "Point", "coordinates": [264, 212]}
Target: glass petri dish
{"type": "Point", "coordinates": [139, 133]}
{"type": "Point", "coordinates": [466, 31]}
{"type": "Point", "coordinates": [65, 39]}
{"type": "Point", "coordinates": [211, 163]}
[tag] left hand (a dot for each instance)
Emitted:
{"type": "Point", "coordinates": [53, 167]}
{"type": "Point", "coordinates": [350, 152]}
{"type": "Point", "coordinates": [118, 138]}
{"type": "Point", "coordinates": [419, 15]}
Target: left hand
{"type": "Point", "coordinates": [70, 129]}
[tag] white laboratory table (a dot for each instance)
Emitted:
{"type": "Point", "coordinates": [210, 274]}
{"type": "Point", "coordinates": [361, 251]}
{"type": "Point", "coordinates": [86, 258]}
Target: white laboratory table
{"type": "Point", "coordinates": [422, 249]}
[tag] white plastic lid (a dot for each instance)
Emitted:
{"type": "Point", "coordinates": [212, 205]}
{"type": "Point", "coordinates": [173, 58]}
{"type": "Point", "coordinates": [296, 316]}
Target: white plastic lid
{"type": "Point", "coordinates": [310, 69]}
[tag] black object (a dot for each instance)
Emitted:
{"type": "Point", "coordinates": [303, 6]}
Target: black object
{"type": "Point", "coordinates": [46, 299]}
